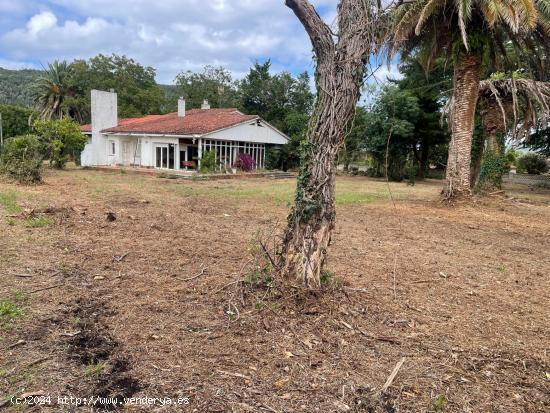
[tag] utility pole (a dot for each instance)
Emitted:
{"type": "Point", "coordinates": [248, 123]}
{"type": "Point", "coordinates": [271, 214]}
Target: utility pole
{"type": "Point", "coordinates": [1, 131]}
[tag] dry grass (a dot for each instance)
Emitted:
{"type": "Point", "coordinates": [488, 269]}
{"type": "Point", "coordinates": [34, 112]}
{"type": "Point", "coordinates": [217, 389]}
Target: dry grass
{"type": "Point", "coordinates": [461, 293]}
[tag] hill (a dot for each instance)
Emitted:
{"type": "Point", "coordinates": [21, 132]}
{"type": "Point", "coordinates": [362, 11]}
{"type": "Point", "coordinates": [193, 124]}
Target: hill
{"type": "Point", "coordinates": [16, 86]}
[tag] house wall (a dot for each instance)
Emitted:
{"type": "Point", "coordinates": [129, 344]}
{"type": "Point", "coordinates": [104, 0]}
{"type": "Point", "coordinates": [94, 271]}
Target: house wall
{"type": "Point", "coordinates": [250, 132]}
{"type": "Point", "coordinates": [148, 148]}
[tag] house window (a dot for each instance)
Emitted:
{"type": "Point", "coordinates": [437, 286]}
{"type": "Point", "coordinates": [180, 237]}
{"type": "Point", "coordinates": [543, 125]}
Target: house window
{"type": "Point", "coordinates": [112, 148]}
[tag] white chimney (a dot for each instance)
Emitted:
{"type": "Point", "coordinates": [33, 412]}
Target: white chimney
{"type": "Point", "coordinates": [104, 110]}
{"type": "Point", "coordinates": [205, 105]}
{"type": "Point", "coordinates": [181, 107]}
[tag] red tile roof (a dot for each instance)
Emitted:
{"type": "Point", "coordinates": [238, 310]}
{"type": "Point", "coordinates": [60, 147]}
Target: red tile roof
{"type": "Point", "coordinates": [121, 122]}
{"type": "Point", "coordinates": [195, 122]}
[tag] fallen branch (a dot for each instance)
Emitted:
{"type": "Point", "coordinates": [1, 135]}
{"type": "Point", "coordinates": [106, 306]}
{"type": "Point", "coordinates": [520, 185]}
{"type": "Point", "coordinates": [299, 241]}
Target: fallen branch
{"type": "Point", "coordinates": [45, 288]}
{"type": "Point", "coordinates": [202, 271]}
{"type": "Point", "coordinates": [271, 409]}
{"type": "Point", "coordinates": [23, 275]}
{"type": "Point", "coordinates": [71, 334]}
{"type": "Point", "coordinates": [120, 258]}
{"type": "Point", "coordinates": [32, 363]}
{"type": "Point", "coordinates": [19, 343]}
{"type": "Point", "coordinates": [227, 285]}
{"type": "Point", "coordinates": [362, 290]}
{"type": "Point", "coordinates": [391, 378]}
{"type": "Point", "coordinates": [239, 375]}
{"type": "Point", "coordinates": [381, 338]}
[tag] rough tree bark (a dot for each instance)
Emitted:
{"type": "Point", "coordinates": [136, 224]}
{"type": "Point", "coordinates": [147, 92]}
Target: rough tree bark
{"type": "Point", "coordinates": [465, 95]}
{"type": "Point", "coordinates": [340, 67]}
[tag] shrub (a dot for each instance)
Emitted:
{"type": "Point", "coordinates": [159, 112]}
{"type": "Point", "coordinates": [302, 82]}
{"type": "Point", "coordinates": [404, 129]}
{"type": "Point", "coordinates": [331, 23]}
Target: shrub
{"type": "Point", "coordinates": [244, 162]}
{"type": "Point", "coordinates": [61, 140]}
{"type": "Point", "coordinates": [208, 162]}
{"type": "Point", "coordinates": [21, 159]}
{"type": "Point", "coordinates": [532, 163]}
{"type": "Point", "coordinates": [15, 120]}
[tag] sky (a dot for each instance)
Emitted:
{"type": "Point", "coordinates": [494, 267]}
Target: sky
{"type": "Point", "coordinates": [170, 35]}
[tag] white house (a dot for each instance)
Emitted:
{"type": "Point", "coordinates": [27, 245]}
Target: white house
{"type": "Point", "coordinates": [176, 140]}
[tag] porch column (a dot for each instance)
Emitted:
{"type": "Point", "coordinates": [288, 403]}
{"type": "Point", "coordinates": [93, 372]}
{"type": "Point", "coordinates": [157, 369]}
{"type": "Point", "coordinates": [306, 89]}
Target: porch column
{"type": "Point", "coordinates": [200, 153]}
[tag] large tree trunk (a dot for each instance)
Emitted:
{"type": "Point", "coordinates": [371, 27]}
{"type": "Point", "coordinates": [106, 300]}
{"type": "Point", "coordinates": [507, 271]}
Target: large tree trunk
{"type": "Point", "coordinates": [494, 124]}
{"type": "Point", "coordinates": [491, 169]}
{"type": "Point", "coordinates": [465, 94]}
{"type": "Point", "coordinates": [339, 74]}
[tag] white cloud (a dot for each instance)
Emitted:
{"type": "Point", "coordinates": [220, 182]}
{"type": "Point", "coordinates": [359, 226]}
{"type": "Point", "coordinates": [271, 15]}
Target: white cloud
{"type": "Point", "coordinates": [42, 21]}
{"type": "Point", "coordinates": [384, 73]}
{"type": "Point", "coordinates": [170, 35]}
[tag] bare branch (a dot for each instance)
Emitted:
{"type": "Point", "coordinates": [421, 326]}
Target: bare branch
{"type": "Point", "coordinates": [318, 31]}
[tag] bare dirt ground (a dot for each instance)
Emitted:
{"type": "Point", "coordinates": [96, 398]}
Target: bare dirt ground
{"type": "Point", "coordinates": [164, 301]}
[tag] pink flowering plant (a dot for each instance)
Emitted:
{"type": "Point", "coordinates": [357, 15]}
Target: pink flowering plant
{"type": "Point", "coordinates": [244, 162]}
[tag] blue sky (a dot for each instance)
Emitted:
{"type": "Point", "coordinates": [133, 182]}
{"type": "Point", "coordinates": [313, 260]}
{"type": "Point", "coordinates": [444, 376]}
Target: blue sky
{"type": "Point", "coordinates": [170, 35]}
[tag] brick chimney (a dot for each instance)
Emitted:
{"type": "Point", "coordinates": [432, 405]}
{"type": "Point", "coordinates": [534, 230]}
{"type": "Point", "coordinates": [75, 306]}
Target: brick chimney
{"type": "Point", "coordinates": [181, 107]}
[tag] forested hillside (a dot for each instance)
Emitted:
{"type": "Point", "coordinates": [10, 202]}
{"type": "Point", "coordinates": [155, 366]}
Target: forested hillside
{"type": "Point", "coordinates": [16, 88]}
{"type": "Point", "coordinates": [16, 85]}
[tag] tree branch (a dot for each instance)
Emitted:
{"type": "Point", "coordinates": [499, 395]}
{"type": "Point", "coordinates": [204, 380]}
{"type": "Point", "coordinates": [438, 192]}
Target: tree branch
{"type": "Point", "coordinates": [318, 31]}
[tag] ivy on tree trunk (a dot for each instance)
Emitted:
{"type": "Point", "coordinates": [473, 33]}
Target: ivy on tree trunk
{"type": "Point", "coordinates": [341, 61]}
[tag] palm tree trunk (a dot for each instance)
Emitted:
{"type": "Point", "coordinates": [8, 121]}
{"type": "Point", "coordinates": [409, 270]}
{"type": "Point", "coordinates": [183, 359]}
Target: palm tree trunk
{"type": "Point", "coordinates": [465, 94]}
{"type": "Point", "coordinates": [339, 74]}
{"type": "Point", "coordinates": [491, 168]}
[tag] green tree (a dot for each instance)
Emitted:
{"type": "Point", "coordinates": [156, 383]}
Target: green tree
{"type": "Point", "coordinates": [469, 32]}
{"type": "Point", "coordinates": [539, 142]}
{"type": "Point", "coordinates": [508, 102]}
{"type": "Point", "coordinates": [287, 156]}
{"type": "Point", "coordinates": [429, 89]}
{"type": "Point", "coordinates": [284, 101]}
{"type": "Point", "coordinates": [355, 142]}
{"type": "Point", "coordinates": [51, 89]}
{"type": "Point", "coordinates": [274, 97]}
{"type": "Point", "coordinates": [15, 120]}
{"type": "Point", "coordinates": [390, 130]}
{"type": "Point", "coordinates": [16, 86]}
{"type": "Point", "coordinates": [214, 84]}
{"type": "Point", "coordinates": [532, 163]}
{"type": "Point", "coordinates": [138, 93]}
{"type": "Point", "coordinates": [61, 140]}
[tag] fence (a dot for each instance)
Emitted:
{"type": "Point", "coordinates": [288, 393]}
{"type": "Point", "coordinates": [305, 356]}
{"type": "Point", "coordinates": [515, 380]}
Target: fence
{"type": "Point", "coordinates": [526, 179]}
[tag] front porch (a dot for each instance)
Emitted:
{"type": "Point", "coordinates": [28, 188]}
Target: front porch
{"type": "Point", "coordinates": [178, 154]}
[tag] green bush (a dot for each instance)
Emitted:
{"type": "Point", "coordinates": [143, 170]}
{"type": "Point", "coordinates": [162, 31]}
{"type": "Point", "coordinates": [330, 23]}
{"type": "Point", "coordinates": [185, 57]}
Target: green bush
{"type": "Point", "coordinates": [511, 158]}
{"type": "Point", "coordinates": [21, 159]}
{"type": "Point", "coordinates": [15, 120]}
{"type": "Point", "coordinates": [208, 162]}
{"type": "Point", "coordinates": [61, 140]}
{"type": "Point", "coordinates": [532, 163]}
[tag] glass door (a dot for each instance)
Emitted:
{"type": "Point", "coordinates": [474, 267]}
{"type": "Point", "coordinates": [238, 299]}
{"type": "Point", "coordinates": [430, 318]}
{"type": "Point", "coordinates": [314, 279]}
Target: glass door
{"type": "Point", "coordinates": [161, 156]}
{"type": "Point", "coordinates": [165, 155]}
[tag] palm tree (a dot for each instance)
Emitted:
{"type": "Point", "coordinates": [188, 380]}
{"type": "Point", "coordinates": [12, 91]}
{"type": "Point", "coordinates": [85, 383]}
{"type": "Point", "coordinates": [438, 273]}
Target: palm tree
{"type": "Point", "coordinates": [51, 89]}
{"type": "Point", "coordinates": [516, 103]}
{"type": "Point", "coordinates": [469, 32]}
{"type": "Point", "coordinates": [508, 104]}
